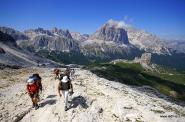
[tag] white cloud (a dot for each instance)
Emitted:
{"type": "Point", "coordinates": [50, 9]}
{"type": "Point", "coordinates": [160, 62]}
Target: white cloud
{"type": "Point", "coordinates": [117, 24]}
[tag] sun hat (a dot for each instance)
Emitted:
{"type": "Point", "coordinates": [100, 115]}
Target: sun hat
{"type": "Point", "coordinates": [65, 79]}
{"type": "Point", "coordinates": [30, 80]}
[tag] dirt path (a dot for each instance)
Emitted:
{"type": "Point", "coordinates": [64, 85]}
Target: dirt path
{"type": "Point", "coordinates": [95, 100]}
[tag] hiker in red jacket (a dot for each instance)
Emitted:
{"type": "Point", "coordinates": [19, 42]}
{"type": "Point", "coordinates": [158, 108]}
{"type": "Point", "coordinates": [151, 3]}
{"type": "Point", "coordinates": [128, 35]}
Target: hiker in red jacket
{"type": "Point", "coordinates": [57, 73]}
{"type": "Point", "coordinates": [33, 86]}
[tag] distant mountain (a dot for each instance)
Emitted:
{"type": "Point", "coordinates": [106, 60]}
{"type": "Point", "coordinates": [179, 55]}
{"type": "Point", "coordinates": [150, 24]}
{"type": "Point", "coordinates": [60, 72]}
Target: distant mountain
{"type": "Point", "coordinates": [146, 41]}
{"type": "Point", "coordinates": [17, 35]}
{"type": "Point", "coordinates": [177, 46]}
{"type": "Point", "coordinates": [11, 54]}
{"type": "Point", "coordinates": [77, 36]}
{"type": "Point", "coordinates": [55, 39]}
{"type": "Point", "coordinates": [113, 40]}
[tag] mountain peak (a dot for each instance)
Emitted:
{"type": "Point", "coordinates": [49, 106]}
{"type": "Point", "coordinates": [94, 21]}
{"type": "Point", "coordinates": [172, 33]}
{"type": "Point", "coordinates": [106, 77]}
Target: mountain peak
{"type": "Point", "coordinates": [112, 31]}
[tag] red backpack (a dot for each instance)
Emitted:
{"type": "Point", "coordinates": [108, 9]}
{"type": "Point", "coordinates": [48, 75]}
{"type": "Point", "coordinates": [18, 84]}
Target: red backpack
{"type": "Point", "coordinates": [32, 88]}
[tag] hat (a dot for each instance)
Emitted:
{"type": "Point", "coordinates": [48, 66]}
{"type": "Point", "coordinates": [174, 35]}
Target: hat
{"type": "Point", "coordinates": [65, 79]}
{"type": "Point", "coordinates": [30, 80]}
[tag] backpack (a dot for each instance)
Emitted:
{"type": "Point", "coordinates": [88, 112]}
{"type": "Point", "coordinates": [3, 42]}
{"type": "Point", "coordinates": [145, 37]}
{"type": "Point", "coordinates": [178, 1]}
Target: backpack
{"type": "Point", "coordinates": [38, 79]}
{"type": "Point", "coordinates": [32, 88]}
{"type": "Point", "coordinates": [65, 85]}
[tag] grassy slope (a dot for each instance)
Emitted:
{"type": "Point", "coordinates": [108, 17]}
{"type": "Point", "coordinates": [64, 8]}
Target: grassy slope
{"type": "Point", "coordinates": [168, 82]}
{"type": "Point", "coordinates": [64, 57]}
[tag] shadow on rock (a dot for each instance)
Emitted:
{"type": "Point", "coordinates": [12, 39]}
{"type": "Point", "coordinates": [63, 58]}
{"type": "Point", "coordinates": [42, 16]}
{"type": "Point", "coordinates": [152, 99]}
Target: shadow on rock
{"type": "Point", "coordinates": [76, 101]}
{"type": "Point", "coordinates": [48, 102]}
{"type": "Point", "coordinates": [51, 96]}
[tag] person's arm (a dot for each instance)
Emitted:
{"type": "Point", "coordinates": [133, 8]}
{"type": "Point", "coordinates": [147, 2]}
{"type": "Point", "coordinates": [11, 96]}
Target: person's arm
{"type": "Point", "coordinates": [59, 85]}
{"type": "Point", "coordinates": [27, 89]}
{"type": "Point", "coordinates": [40, 85]}
{"type": "Point", "coordinates": [71, 86]}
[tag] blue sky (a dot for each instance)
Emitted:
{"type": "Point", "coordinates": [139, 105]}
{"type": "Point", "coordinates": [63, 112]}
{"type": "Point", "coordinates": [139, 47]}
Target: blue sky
{"type": "Point", "coordinates": [165, 18]}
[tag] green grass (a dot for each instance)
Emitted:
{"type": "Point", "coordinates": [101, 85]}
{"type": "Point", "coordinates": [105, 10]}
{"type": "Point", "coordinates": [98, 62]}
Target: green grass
{"type": "Point", "coordinates": [171, 75]}
{"type": "Point", "coordinates": [64, 57]}
{"type": "Point", "coordinates": [134, 74]}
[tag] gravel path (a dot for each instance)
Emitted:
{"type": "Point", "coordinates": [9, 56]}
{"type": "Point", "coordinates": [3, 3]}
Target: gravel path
{"type": "Point", "coordinates": [95, 100]}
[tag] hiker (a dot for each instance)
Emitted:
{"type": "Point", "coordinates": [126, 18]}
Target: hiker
{"type": "Point", "coordinates": [33, 86]}
{"type": "Point", "coordinates": [66, 87]}
{"type": "Point", "coordinates": [57, 73]}
{"type": "Point", "coordinates": [72, 74]}
{"type": "Point", "coordinates": [67, 71]}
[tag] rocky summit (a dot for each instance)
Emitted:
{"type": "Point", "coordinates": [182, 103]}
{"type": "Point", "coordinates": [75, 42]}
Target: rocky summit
{"type": "Point", "coordinates": [111, 31]}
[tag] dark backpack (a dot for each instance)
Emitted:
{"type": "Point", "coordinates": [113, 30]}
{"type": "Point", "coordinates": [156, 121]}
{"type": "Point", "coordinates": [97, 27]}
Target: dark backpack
{"type": "Point", "coordinates": [65, 85]}
{"type": "Point", "coordinates": [37, 78]}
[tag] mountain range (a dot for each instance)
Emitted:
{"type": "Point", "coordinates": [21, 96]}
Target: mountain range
{"type": "Point", "coordinates": [113, 40]}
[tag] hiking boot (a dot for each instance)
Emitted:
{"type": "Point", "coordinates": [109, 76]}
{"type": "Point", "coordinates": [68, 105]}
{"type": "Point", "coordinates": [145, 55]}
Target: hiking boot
{"type": "Point", "coordinates": [65, 108]}
{"type": "Point", "coordinates": [36, 107]}
{"type": "Point", "coordinates": [71, 93]}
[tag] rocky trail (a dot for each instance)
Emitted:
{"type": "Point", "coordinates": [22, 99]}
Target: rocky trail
{"type": "Point", "coordinates": [95, 99]}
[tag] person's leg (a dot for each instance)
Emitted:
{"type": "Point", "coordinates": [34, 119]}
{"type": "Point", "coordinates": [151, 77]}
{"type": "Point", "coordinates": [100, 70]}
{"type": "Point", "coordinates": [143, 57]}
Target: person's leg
{"type": "Point", "coordinates": [65, 94]}
{"type": "Point", "coordinates": [36, 100]}
{"type": "Point", "coordinates": [71, 88]}
{"type": "Point", "coordinates": [33, 104]}
{"type": "Point", "coordinates": [66, 97]}
{"type": "Point", "coordinates": [32, 100]}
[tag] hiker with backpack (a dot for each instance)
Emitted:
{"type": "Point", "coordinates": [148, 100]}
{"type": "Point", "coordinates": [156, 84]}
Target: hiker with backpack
{"type": "Point", "coordinates": [72, 76]}
{"type": "Point", "coordinates": [56, 73]}
{"type": "Point", "coordinates": [67, 71]}
{"type": "Point", "coordinates": [66, 87]}
{"type": "Point", "coordinates": [33, 86]}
